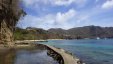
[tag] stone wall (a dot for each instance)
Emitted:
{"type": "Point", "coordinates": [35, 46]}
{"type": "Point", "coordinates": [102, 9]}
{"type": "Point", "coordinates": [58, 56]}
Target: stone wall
{"type": "Point", "coordinates": [52, 53]}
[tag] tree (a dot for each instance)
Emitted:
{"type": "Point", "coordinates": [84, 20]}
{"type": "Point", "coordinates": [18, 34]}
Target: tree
{"type": "Point", "coordinates": [10, 13]}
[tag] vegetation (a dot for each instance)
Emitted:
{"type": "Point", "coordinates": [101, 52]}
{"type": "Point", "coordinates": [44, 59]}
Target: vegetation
{"type": "Point", "coordinates": [91, 32]}
{"type": "Point", "coordinates": [10, 13]}
{"type": "Point", "coordinates": [29, 34]}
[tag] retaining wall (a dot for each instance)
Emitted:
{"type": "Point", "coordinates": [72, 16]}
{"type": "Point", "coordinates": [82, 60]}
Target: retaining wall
{"type": "Point", "coordinates": [62, 56]}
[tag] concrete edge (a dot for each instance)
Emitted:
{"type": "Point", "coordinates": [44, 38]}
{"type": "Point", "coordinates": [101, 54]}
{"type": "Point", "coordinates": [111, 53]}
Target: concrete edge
{"type": "Point", "coordinates": [66, 57]}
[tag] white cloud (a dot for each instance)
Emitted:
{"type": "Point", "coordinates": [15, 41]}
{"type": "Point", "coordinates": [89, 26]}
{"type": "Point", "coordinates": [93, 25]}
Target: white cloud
{"type": "Point", "coordinates": [29, 2]}
{"type": "Point", "coordinates": [65, 16]}
{"type": "Point", "coordinates": [96, 0]}
{"type": "Point", "coordinates": [59, 20]}
{"type": "Point", "coordinates": [108, 4]}
{"type": "Point", "coordinates": [53, 2]}
{"type": "Point", "coordinates": [65, 20]}
{"type": "Point", "coordinates": [83, 18]}
{"type": "Point", "coordinates": [68, 2]}
{"type": "Point", "coordinates": [63, 2]}
{"type": "Point", "coordinates": [51, 17]}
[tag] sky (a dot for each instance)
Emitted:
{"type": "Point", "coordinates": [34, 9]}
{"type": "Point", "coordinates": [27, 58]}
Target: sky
{"type": "Point", "coordinates": [66, 14]}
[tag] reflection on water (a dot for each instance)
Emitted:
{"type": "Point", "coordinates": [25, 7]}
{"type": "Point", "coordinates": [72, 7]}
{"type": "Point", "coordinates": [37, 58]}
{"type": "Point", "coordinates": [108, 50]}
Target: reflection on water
{"type": "Point", "coordinates": [7, 56]}
{"type": "Point", "coordinates": [33, 57]}
{"type": "Point", "coordinates": [90, 51]}
{"type": "Point", "coordinates": [23, 56]}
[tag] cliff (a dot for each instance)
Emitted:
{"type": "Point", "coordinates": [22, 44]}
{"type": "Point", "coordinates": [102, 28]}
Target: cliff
{"type": "Point", "coordinates": [10, 12]}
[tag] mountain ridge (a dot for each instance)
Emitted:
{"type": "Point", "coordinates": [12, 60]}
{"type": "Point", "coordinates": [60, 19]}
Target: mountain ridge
{"type": "Point", "coordinates": [91, 32]}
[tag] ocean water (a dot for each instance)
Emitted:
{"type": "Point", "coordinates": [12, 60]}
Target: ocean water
{"type": "Point", "coordinates": [26, 56]}
{"type": "Point", "coordinates": [33, 57]}
{"type": "Point", "coordinates": [90, 51]}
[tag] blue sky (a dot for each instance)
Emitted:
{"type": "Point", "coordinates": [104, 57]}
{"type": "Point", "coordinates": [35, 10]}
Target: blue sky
{"type": "Point", "coordinates": [66, 13]}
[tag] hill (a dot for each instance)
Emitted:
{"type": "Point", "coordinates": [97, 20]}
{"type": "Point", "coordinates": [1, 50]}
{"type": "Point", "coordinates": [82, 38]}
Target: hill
{"type": "Point", "coordinates": [91, 32]}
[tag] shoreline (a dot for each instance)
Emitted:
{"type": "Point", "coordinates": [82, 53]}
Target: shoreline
{"type": "Point", "coordinates": [55, 39]}
{"type": "Point", "coordinates": [65, 57]}
{"type": "Point", "coordinates": [36, 40]}
{"type": "Point", "coordinates": [29, 40]}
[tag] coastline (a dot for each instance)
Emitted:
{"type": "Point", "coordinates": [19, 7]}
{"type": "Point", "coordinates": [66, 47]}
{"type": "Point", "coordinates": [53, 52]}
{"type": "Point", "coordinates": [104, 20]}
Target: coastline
{"type": "Point", "coordinates": [54, 52]}
{"type": "Point", "coordinates": [36, 40]}
{"type": "Point", "coordinates": [55, 39]}
{"type": "Point", "coordinates": [31, 41]}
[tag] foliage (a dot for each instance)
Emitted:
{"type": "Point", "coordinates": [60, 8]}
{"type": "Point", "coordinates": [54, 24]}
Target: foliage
{"type": "Point", "coordinates": [57, 33]}
{"type": "Point", "coordinates": [29, 34]}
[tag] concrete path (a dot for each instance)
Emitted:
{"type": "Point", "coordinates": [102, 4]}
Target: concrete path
{"type": "Point", "coordinates": [68, 58]}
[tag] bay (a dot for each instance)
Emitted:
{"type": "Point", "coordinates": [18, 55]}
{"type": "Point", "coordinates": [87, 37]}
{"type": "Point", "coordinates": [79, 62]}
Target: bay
{"type": "Point", "coordinates": [90, 51]}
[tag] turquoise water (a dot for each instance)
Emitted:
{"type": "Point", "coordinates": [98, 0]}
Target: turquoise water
{"type": "Point", "coordinates": [89, 51]}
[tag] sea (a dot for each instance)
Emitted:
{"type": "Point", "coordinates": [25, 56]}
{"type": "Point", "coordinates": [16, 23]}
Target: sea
{"type": "Point", "coordinates": [90, 51]}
